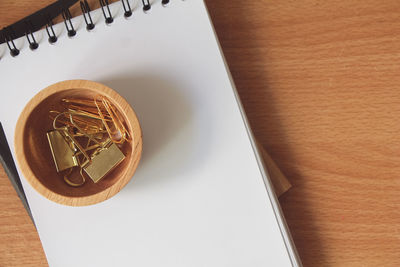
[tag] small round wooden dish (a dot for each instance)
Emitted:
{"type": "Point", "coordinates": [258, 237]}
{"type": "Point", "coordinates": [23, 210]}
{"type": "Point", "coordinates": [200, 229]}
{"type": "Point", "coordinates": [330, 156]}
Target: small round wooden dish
{"type": "Point", "coordinates": [34, 155]}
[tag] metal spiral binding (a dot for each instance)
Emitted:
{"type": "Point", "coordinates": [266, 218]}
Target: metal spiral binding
{"type": "Point", "coordinates": [68, 23]}
{"type": "Point", "coordinates": [63, 5]}
{"type": "Point", "coordinates": [104, 8]}
{"type": "Point", "coordinates": [10, 42]}
{"type": "Point", "coordinates": [51, 33]}
{"type": "Point", "coordinates": [127, 8]}
{"type": "Point", "coordinates": [146, 5]}
{"type": "Point", "coordinates": [86, 15]}
{"type": "Point", "coordinates": [32, 41]}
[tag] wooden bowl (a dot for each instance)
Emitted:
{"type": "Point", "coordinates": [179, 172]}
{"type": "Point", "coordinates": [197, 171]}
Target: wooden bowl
{"type": "Point", "coordinates": [34, 155]}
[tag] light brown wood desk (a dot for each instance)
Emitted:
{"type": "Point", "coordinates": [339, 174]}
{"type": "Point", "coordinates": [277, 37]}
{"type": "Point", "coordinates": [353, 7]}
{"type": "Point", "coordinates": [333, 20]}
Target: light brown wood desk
{"type": "Point", "coordinates": [320, 82]}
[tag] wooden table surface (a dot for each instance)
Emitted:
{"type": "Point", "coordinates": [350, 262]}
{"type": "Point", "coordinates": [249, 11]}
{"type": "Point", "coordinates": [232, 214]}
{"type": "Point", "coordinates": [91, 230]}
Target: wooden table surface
{"type": "Point", "coordinates": [320, 83]}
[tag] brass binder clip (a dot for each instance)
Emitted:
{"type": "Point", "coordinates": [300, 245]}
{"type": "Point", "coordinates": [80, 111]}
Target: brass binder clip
{"type": "Point", "coordinates": [103, 161]}
{"type": "Point", "coordinates": [105, 158]}
{"type": "Point", "coordinates": [62, 151]}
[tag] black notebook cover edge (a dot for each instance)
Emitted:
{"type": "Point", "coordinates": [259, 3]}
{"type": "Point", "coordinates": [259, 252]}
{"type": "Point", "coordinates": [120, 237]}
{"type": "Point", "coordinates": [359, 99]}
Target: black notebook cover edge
{"type": "Point", "coordinates": [8, 163]}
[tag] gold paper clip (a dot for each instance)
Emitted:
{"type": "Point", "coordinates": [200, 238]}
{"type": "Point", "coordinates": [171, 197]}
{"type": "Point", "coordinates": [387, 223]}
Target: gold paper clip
{"type": "Point", "coordinates": [90, 124]}
{"type": "Point", "coordinates": [81, 105]}
{"type": "Point", "coordinates": [121, 134]}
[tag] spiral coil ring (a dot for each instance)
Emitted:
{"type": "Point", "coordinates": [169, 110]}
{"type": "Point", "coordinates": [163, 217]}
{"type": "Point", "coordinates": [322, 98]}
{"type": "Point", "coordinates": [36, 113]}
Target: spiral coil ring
{"type": "Point", "coordinates": [30, 37]}
{"type": "Point", "coordinates": [10, 42]}
{"type": "Point", "coordinates": [68, 23]}
{"type": "Point", "coordinates": [106, 11]}
{"type": "Point", "coordinates": [50, 32]}
{"type": "Point", "coordinates": [127, 8]}
{"type": "Point", "coordinates": [86, 15]}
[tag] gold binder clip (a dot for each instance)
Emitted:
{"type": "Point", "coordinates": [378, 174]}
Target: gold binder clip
{"type": "Point", "coordinates": [105, 158]}
{"type": "Point", "coordinates": [62, 151]}
{"type": "Point", "coordinates": [104, 161]}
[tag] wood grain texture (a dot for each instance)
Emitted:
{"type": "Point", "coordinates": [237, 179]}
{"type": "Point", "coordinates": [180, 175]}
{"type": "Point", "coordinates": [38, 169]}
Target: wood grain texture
{"type": "Point", "coordinates": [319, 81]}
{"type": "Point", "coordinates": [320, 84]}
{"type": "Point", "coordinates": [19, 242]}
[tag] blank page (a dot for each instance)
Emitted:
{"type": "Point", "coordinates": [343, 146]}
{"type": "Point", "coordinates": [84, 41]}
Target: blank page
{"type": "Point", "coordinates": [200, 196]}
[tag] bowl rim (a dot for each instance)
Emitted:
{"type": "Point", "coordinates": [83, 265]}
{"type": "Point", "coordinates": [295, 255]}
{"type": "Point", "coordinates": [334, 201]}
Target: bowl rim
{"type": "Point", "coordinates": [118, 101]}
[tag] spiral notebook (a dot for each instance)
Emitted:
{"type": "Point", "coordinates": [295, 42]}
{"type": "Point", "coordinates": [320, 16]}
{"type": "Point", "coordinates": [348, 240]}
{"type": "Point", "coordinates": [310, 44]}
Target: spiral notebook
{"type": "Point", "coordinates": [200, 196]}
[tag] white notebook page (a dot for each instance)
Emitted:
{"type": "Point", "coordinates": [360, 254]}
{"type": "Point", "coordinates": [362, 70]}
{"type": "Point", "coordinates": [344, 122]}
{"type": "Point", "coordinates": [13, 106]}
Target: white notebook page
{"type": "Point", "coordinates": [198, 197]}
